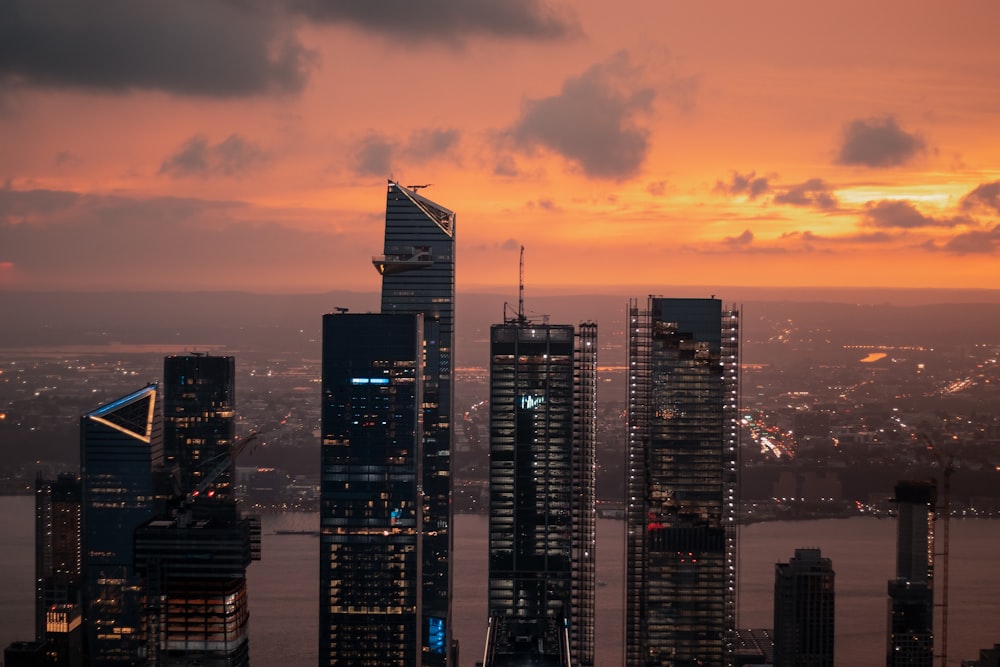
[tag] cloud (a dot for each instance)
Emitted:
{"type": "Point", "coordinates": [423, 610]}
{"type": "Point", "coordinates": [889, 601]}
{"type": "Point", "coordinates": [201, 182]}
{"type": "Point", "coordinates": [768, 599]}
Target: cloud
{"type": "Point", "coordinates": [899, 214]}
{"type": "Point", "coordinates": [446, 20]}
{"type": "Point", "coordinates": [657, 188]}
{"type": "Point", "coordinates": [212, 48]}
{"type": "Point", "coordinates": [976, 242]}
{"type": "Point", "coordinates": [591, 122]}
{"type": "Point", "coordinates": [985, 196]}
{"type": "Point", "coordinates": [376, 154]}
{"type": "Point", "coordinates": [196, 157]}
{"type": "Point", "coordinates": [373, 156]}
{"type": "Point", "coordinates": [137, 243]}
{"type": "Point", "coordinates": [743, 240]}
{"type": "Point", "coordinates": [750, 185]}
{"type": "Point", "coordinates": [878, 142]}
{"type": "Point", "coordinates": [814, 192]}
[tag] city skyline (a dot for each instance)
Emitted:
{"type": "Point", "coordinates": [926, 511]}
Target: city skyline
{"type": "Point", "coordinates": [776, 145]}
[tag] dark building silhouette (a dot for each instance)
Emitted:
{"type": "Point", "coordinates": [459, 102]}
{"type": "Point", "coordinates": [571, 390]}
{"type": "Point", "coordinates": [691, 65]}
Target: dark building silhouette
{"type": "Point", "coordinates": [57, 546]}
{"type": "Point", "coordinates": [804, 611]}
{"type": "Point", "coordinates": [418, 277]}
{"type": "Point", "coordinates": [120, 447]}
{"type": "Point", "coordinates": [683, 437]}
{"type": "Point", "coordinates": [199, 424]}
{"type": "Point", "coordinates": [372, 511]}
{"type": "Point", "coordinates": [542, 513]}
{"type": "Point", "coordinates": [911, 593]}
{"type": "Point", "coordinates": [193, 554]}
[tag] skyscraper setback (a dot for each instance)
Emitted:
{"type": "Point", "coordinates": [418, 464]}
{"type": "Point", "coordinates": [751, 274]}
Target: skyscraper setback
{"type": "Point", "coordinates": [418, 280]}
{"type": "Point", "coordinates": [910, 640]}
{"type": "Point", "coordinates": [683, 397]}
{"type": "Point", "coordinates": [542, 514]}
{"type": "Point", "coordinates": [804, 611]}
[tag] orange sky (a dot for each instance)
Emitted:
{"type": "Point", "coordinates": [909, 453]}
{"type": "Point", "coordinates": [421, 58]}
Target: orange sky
{"type": "Point", "coordinates": [217, 145]}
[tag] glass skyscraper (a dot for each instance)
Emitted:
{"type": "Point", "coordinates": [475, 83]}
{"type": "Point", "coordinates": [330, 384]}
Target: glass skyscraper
{"type": "Point", "coordinates": [683, 437]}
{"type": "Point", "coordinates": [911, 594]}
{"type": "Point", "coordinates": [542, 514]}
{"type": "Point", "coordinates": [804, 611]}
{"type": "Point", "coordinates": [120, 447]}
{"type": "Point", "coordinates": [198, 417]}
{"type": "Point", "coordinates": [372, 510]}
{"type": "Point", "coordinates": [418, 276]}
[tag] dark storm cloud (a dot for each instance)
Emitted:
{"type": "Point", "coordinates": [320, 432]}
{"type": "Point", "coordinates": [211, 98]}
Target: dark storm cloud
{"type": "Point", "coordinates": [750, 185]}
{"type": "Point", "coordinates": [814, 192]}
{"type": "Point", "coordinates": [196, 157]}
{"type": "Point", "coordinates": [898, 214]}
{"type": "Point", "coordinates": [591, 122]}
{"type": "Point", "coordinates": [214, 48]}
{"type": "Point", "coordinates": [446, 20]}
{"type": "Point", "coordinates": [986, 196]}
{"type": "Point", "coordinates": [878, 142]}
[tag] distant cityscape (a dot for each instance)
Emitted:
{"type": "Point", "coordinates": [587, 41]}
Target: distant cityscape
{"type": "Point", "coordinates": [685, 417]}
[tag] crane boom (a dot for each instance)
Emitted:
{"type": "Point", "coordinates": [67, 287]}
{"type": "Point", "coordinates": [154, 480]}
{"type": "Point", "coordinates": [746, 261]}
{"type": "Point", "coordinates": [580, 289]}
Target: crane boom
{"type": "Point", "coordinates": [228, 458]}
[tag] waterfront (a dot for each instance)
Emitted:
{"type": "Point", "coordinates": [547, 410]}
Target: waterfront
{"type": "Point", "coordinates": [284, 594]}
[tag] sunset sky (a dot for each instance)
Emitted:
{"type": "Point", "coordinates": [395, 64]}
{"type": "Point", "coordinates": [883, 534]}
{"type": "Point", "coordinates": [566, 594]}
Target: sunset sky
{"type": "Point", "coordinates": [245, 144]}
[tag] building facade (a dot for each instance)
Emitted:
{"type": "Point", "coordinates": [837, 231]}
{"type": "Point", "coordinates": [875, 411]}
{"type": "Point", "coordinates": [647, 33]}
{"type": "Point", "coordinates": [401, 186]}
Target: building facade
{"type": "Point", "coordinates": [199, 418]}
{"type": "Point", "coordinates": [57, 546]}
{"type": "Point", "coordinates": [542, 513]}
{"type": "Point", "coordinates": [804, 611]}
{"type": "Point", "coordinates": [910, 641]}
{"type": "Point", "coordinates": [418, 276]}
{"type": "Point", "coordinates": [372, 509]}
{"type": "Point", "coordinates": [683, 444]}
{"type": "Point", "coordinates": [120, 447]}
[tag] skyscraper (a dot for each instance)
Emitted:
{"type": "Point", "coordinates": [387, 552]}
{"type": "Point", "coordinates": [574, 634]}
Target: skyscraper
{"type": "Point", "coordinates": [418, 276]}
{"type": "Point", "coordinates": [804, 611]}
{"type": "Point", "coordinates": [683, 397]}
{"type": "Point", "coordinates": [57, 546]}
{"type": "Point", "coordinates": [372, 510]}
{"type": "Point", "coordinates": [911, 593]}
{"type": "Point", "coordinates": [542, 514]}
{"type": "Point", "coordinates": [120, 446]}
{"type": "Point", "coordinates": [193, 555]}
{"type": "Point", "coordinates": [199, 423]}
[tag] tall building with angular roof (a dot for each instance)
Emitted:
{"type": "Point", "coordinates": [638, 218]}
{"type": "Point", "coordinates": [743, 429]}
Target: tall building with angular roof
{"type": "Point", "coordinates": [120, 446]}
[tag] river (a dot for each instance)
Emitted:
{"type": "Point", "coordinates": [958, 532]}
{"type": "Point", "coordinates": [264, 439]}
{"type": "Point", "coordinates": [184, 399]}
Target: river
{"type": "Point", "coordinates": [284, 603]}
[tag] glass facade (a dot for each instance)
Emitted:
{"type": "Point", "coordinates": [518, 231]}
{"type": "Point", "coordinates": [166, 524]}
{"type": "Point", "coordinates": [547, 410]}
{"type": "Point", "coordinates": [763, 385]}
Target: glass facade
{"type": "Point", "coordinates": [120, 446]}
{"type": "Point", "coordinates": [683, 402]}
{"type": "Point", "coordinates": [911, 593]}
{"type": "Point", "coordinates": [804, 611]}
{"type": "Point", "coordinates": [199, 422]}
{"type": "Point", "coordinates": [418, 276]}
{"type": "Point", "coordinates": [542, 514]}
{"type": "Point", "coordinates": [372, 509]}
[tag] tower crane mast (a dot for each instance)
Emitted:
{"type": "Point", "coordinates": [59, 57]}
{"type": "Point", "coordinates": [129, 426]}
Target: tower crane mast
{"type": "Point", "coordinates": [947, 467]}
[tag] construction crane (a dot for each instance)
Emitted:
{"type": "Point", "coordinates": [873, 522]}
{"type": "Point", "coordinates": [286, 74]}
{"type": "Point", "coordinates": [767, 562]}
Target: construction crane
{"type": "Point", "coordinates": [227, 459]}
{"type": "Point", "coordinates": [947, 467]}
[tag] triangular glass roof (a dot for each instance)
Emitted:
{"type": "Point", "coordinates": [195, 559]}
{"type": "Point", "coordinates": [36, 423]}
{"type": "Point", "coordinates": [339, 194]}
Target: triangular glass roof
{"type": "Point", "coordinates": [131, 414]}
{"type": "Point", "coordinates": [444, 218]}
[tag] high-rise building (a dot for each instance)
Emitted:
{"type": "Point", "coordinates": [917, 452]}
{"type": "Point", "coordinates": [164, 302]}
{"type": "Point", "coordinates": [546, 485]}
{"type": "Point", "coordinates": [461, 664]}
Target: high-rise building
{"type": "Point", "coordinates": [542, 514]}
{"type": "Point", "coordinates": [911, 594]}
{"type": "Point", "coordinates": [57, 546]}
{"type": "Point", "coordinates": [199, 423]}
{"type": "Point", "coordinates": [683, 443]}
{"type": "Point", "coordinates": [192, 556]}
{"type": "Point", "coordinates": [418, 276]}
{"type": "Point", "coordinates": [120, 447]}
{"type": "Point", "coordinates": [803, 610]}
{"type": "Point", "coordinates": [372, 511]}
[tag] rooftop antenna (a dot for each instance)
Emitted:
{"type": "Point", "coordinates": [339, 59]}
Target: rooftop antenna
{"type": "Point", "coordinates": [520, 288]}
